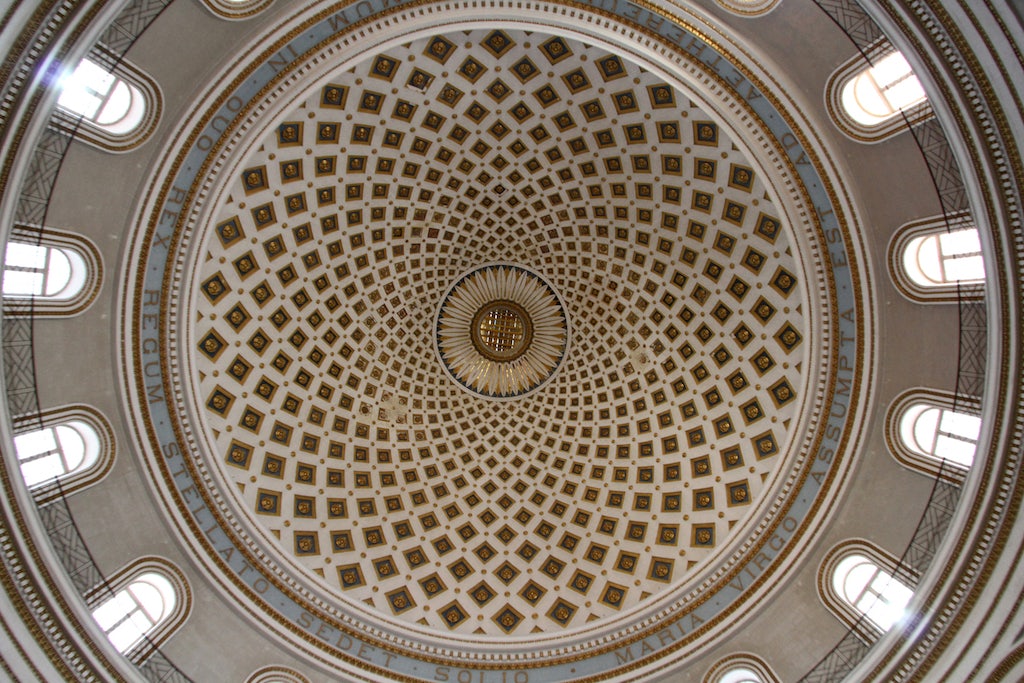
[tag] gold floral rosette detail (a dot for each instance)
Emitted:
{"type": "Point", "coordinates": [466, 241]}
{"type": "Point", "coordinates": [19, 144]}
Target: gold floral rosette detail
{"type": "Point", "coordinates": [501, 331]}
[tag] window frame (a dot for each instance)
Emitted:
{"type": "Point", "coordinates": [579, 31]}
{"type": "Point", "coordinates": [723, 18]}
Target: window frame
{"type": "Point", "coordinates": [44, 272]}
{"type": "Point", "coordinates": [46, 306]}
{"type": "Point", "coordinates": [276, 674]}
{"type": "Point", "coordinates": [908, 286]}
{"type": "Point", "coordinates": [105, 138]}
{"type": "Point", "coordinates": [740, 660]}
{"type": "Point", "coordinates": [849, 70]}
{"type": "Point", "coordinates": [857, 621]}
{"type": "Point", "coordinates": [76, 480]}
{"type": "Point", "coordinates": [160, 632]}
{"type": "Point", "coordinates": [947, 470]}
{"type": "Point", "coordinates": [237, 10]}
{"type": "Point", "coordinates": [748, 8]}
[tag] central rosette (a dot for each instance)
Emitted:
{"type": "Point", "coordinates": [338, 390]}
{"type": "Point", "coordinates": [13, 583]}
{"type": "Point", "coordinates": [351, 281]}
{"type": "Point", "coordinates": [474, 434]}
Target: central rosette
{"type": "Point", "coordinates": [501, 331]}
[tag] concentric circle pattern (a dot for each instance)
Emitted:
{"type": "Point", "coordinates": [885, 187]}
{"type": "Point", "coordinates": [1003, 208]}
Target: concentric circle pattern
{"type": "Point", "coordinates": [340, 439]}
{"type": "Point", "coordinates": [501, 331]}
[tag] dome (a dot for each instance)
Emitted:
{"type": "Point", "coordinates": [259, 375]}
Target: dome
{"type": "Point", "coordinates": [517, 342]}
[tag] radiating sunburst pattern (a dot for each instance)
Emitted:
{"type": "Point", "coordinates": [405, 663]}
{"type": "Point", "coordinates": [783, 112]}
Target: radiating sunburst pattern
{"type": "Point", "coordinates": [501, 331]}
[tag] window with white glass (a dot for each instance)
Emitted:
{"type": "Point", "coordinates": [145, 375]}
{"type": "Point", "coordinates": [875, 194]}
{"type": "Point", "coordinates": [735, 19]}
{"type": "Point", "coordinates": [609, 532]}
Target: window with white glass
{"type": "Point", "coordinates": [236, 9]}
{"type": "Point", "coordinates": [861, 585]}
{"type": "Point", "coordinates": [57, 272]}
{"type": "Point", "coordinates": [749, 8]}
{"type": "Point", "coordinates": [72, 445]}
{"type": "Point", "coordinates": [129, 616]}
{"type": "Point", "coordinates": [102, 98]}
{"type": "Point", "coordinates": [882, 91]}
{"type": "Point", "coordinates": [934, 432]}
{"type": "Point", "coordinates": [871, 590]}
{"type": "Point", "coordinates": [113, 107]}
{"type": "Point", "coordinates": [941, 433]}
{"type": "Point", "coordinates": [740, 674]}
{"type": "Point", "coordinates": [938, 259]}
{"type": "Point", "coordinates": [141, 606]}
{"type": "Point", "coordinates": [945, 258]}
{"type": "Point", "coordinates": [871, 99]}
{"type": "Point", "coordinates": [741, 667]}
{"type": "Point", "coordinates": [53, 452]}
{"type": "Point", "coordinates": [32, 270]}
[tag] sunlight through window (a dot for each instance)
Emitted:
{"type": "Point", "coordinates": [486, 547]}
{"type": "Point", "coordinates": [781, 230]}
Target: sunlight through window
{"type": "Point", "coordinates": [102, 98]}
{"type": "Point", "coordinates": [136, 610]}
{"type": "Point", "coordinates": [41, 271]}
{"type": "Point", "coordinates": [56, 451]}
{"type": "Point", "coordinates": [740, 674]}
{"type": "Point", "coordinates": [945, 258]}
{"type": "Point", "coordinates": [940, 433]}
{"type": "Point", "coordinates": [881, 91]}
{"type": "Point", "coordinates": [871, 590]}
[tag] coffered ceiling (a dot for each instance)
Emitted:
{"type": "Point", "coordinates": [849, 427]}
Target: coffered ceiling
{"type": "Point", "coordinates": [518, 341]}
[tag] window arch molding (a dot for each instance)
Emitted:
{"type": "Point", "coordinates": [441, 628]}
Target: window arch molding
{"type": "Point", "coordinates": [740, 668]}
{"type": "Point", "coordinates": [276, 674]}
{"type": "Point", "coordinates": [911, 405]}
{"type": "Point", "coordinates": [915, 236]}
{"type": "Point", "coordinates": [173, 616]}
{"type": "Point", "coordinates": [23, 255]}
{"type": "Point", "coordinates": [842, 78]}
{"type": "Point", "coordinates": [97, 441]}
{"type": "Point", "coordinates": [888, 571]}
{"type": "Point", "coordinates": [748, 8]}
{"type": "Point", "coordinates": [236, 9]}
{"type": "Point", "coordinates": [140, 90]}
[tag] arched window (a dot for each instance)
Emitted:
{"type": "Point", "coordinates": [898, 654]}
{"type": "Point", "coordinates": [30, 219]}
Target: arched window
{"type": "Point", "coordinates": [236, 9]}
{"type": "Point", "coordinates": [276, 674]}
{"type": "Point", "coordinates": [73, 444]}
{"type": "Point", "coordinates": [740, 668]}
{"type": "Point", "coordinates": [102, 98]}
{"type": "Point", "coordinates": [135, 610]}
{"type": "Point", "coordinates": [941, 433]}
{"type": "Point", "coordinates": [938, 259]}
{"type": "Point", "coordinates": [141, 607]}
{"type": "Point", "coordinates": [749, 8]}
{"type": "Point", "coordinates": [861, 585]}
{"type": "Point", "coordinates": [112, 105]}
{"type": "Point", "coordinates": [945, 258]}
{"type": "Point", "coordinates": [740, 674]}
{"type": "Point", "coordinates": [41, 271]}
{"type": "Point", "coordinates": [933, 432]}
{"type": "Point", "coordinates": [57, 271]}
{"type": "Point", "coordinates": [872, 100]}
{"type": "Point", "coordinates": [881, 91]}
{"type": "Point", "coordinates": [871, 590]}
{"type": "Point", "coordinates": [52, 452]}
